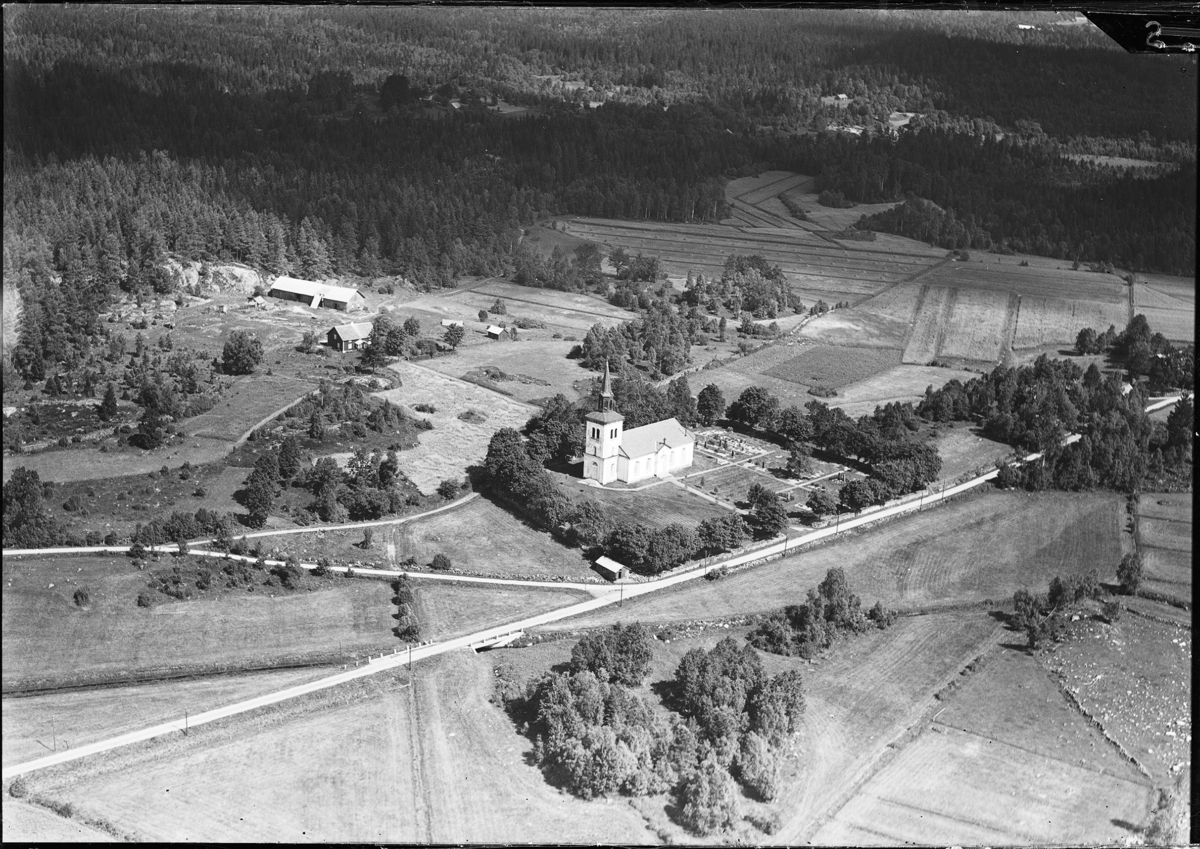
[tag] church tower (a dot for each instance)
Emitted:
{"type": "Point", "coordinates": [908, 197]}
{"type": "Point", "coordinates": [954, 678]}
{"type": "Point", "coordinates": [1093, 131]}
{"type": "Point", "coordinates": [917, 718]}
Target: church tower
{"type": "Point", "coordinates": [602, 439]}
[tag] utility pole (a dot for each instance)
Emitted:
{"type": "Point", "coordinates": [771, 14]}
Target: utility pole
{"type": "Point", "coordinates": [621, 603]}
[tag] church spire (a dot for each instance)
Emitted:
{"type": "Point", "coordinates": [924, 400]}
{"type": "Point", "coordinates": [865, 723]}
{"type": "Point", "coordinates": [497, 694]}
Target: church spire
{"type": "Point", "coordinates": [606, 393]}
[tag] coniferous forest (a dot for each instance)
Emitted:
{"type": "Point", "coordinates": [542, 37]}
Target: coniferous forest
{"type": "Point", "coordinates": [358, 141]}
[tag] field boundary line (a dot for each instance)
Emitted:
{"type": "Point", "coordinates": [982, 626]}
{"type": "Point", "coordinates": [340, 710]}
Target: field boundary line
{"type": "Point", "coordinates": [919, 719]}
{"type": "Point", "coordinates": [1074, 702]}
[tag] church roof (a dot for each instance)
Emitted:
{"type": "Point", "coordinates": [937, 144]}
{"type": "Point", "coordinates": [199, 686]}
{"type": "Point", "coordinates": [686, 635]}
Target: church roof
{"type": "Point", "coordinates": [649, 438]}
{"type": "Point", "coordinates": [604, 416]}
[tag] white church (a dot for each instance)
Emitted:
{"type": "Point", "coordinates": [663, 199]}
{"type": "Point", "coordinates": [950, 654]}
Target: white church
{"type": "Point", "coordinates": [614, 454]}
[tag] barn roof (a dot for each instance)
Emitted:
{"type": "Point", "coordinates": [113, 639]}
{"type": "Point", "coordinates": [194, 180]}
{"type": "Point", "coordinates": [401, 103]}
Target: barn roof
{"type": "Point", "coordinates": [649, 438]}
{"type": "Point", "coordinates": [309, 288]}
{"type": "Point", "coordinates": [611, 566]}
{"type": "Point", "coordinates": [494, 329]}
{"type": "Point", "coordinates": [352, 331]}
{"type": "Point", "coordinates": [451, 322]}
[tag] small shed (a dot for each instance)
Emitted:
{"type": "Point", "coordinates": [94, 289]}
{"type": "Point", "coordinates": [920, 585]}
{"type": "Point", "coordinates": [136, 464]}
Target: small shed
{"type": "Point", "coordinates": [495, 331]}
{"type": "Point", "coordinates": [611, 569]}
{"type": "Point", "coordinates": [258, 301]}
{"type": "Point", "coordinates": [349, 337]}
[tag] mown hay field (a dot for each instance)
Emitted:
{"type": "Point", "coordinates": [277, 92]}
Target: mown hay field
{"type": "Point", "coordinates": [657, 506]}
{"type": "Point", "coordinates": [1169, 306]}
{"type": "Point", "coordinates": [1007, 762]}
{"type": "Point", "coordinates": [934, 307]}
{"type": "Point", "coordinates": [832, 272]}
{"type": "Point", "coordinates": [963, 451]}
{"type": "Point", "coordinates": [902, 383]}
{"type": "Point", "coordinates": [882, 321]}
{"type": "Point", "coordinates": [25, 822]}
{"type": "Point", "coordinates": [1135, 678]}
{"type": "Point", "coordinates": [1165, 543]}
{"type": "Point", "coordinates": [769, 184]}
{"type": "Point", "coordinates": [78, 717]}
{"type": "Point", "coordinates": [49, 641]}
{"type": "Point", "coordinates": [434, 762]}
{"type": "Point", "coordinates": [834, 366]}
{"type": "Point", "coordinates": [986, 547]}
{"type": "Point", "coordinates": [1036, 279]}
{"type": "Point", "coordinates": [452, 445]}
{"type": "Point", "coordinates": [980, 326]}
{"type": "Point", "coordinates": [478, 537]}
{"type": "Point", "coordinates": [1043, 322]}
{"type": "Point", "coordinates": [538, 367]}
{"type": "Point", "coordinates": [1178, 325]}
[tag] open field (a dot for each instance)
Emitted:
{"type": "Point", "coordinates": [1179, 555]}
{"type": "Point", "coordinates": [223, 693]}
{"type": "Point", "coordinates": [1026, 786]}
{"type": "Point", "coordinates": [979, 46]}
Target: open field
{"type": "Point", "coordinates": [1007, 762]}
{"type": "Point", "coordinates": [248, 402]}
{"type": "Point", "coordinates": [434, 762]}
{"type": "Point", "coordinates": [453, 444]}
{"type": "Point", "coordinates": [568, 310]}
{"type": "Point", "coordinates": [478, 537]}
{"type": "Point", "coordinates": [934, 307]}
{"type": "Point", "coordinates": [1179, 288]}
{"type": "Point", "coordinates": [77, 717]}
{"type": "Point", "coordinates": [449, 610]}
{"type": "Point", "coordinates": [882, 321]}
{"type": "Point", "coordinates": [539, 367]}
{"type": "Point", "coordinates": [49, 641]}
{"type": "Point", "coordinates": [1043, 322]}
{"type": "Point", "coordinates": [901, 383]}
{"type": "Point", "coordinates": [834, 272]}
{"type": "Point", "coordinates": [862, 695]}
{"type": "Point", "coordinates": [1135, 678]}
{"type": "Point", "coordinates": [834, 367]}
{"type": "Point", "coordinates": [1165, 543]}
{"type": "Point", "coordinates": [986, 547]}
{"type": "Point", "coordinates": [980, 326]}
{"type": "Point", "coordinates": [830, 218]}
{"type": "Point", "coordinates": [963, 451]}
{"type": "Point", "coordinates": [657, 506]}
{"type": "Point", "coordinates": [82, 464]}
{"type": "Point", "coordinates": [1042, 278]}
{"type": "Point", "coordinates": [25, 822]}
{"type": "Point", "coordinates": [1178, 325]}
{"type": "Point", "coordinates": [483, 537]}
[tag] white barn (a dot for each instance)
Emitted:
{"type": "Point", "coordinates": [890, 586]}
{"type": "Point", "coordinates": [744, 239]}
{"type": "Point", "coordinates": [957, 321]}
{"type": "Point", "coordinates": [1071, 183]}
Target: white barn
{"type": "Point", "coordinates": [313, 294]}
{"type": "Point", "coordinates": [614, 454]}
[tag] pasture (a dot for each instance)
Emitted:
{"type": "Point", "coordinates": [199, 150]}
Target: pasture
{"type": "Point", "coordinates": [569, 311]}
{"type": "Point", "coordinates": [658, 505]}
{"type": "Point", "coordinates": [536, 368]}
{"type": "Point", "coordinates": [980, 326]}
{"type": "Point", "coordinates": [452, 445]}
{"type": "Point", "coordinates": [50, 641]}
{"type": "Point", "coordinates": [1135, 678]}
{"type": "Point", "coordinates": [25, 822]}
{"type": "Point", "coordinates": [1164, 523]}
{"type": "Point", "coordinates": [1007, 762]}
{"type": "Point", "coordinates": [1169, 304]}
{"type": "Point", "coordinates": [967, 552]}
{"type": "Point", "coordinates": [1046, 322]}
{"type": "Point", "coordinates": [833, 272]}
{"type": "Point", "coordinates": [33, 725]}
{"type": "Point", "coordinates": [963, 451]}
{"type": "Point", "coordinates": [86, 464]}
{"type": "Point", "coordinates": [834, 367]}
{"type": "Point", "coordinates": [883, 321]}
{"type": "Point", "coordinates": [901, 383]}
{"type": "Point", "coordinates": [250, 401]}
{"type": "Point", "coordinates": [433, 761]}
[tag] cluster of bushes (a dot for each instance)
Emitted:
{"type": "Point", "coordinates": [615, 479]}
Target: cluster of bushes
{"type": "Point", "coordinates": [349, 409]}
{"type": "Point", "coordinates": [408, 626]}
{"type": "Point", "coordinates": [180, 527]}
{"type": "Point", "coordinates": [829, 612]}
{"type": "Point", "coordinates": [599, 736]}
{"type": "Point", "coordinates": [1042, 617]}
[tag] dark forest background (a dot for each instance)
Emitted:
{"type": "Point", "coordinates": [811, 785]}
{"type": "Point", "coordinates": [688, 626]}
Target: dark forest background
{"type": "Point", "coordinates": [322, 141]}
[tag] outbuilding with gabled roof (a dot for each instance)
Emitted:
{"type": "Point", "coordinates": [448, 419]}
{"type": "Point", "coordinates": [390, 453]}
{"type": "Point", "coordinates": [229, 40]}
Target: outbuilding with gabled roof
{"type": "Point", "coordinates": [349, 337]}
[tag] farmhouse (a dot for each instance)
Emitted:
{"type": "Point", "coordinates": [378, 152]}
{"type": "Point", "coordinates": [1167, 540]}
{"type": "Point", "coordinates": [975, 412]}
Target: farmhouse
{"type": "Point", "coordinates": [349, 337]}
{"type": "Point", "coordinates": [613, 454]}
{"type": "Point", "coordinates": [313, 294]}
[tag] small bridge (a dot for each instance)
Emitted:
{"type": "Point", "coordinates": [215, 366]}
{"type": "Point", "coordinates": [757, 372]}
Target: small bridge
{"type": "Point", "coordinates": [496, 642]}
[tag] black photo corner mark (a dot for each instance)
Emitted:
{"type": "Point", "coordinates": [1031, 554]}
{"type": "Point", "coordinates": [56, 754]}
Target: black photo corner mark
{"type": "Point", "coordinates": [1152, 31]}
